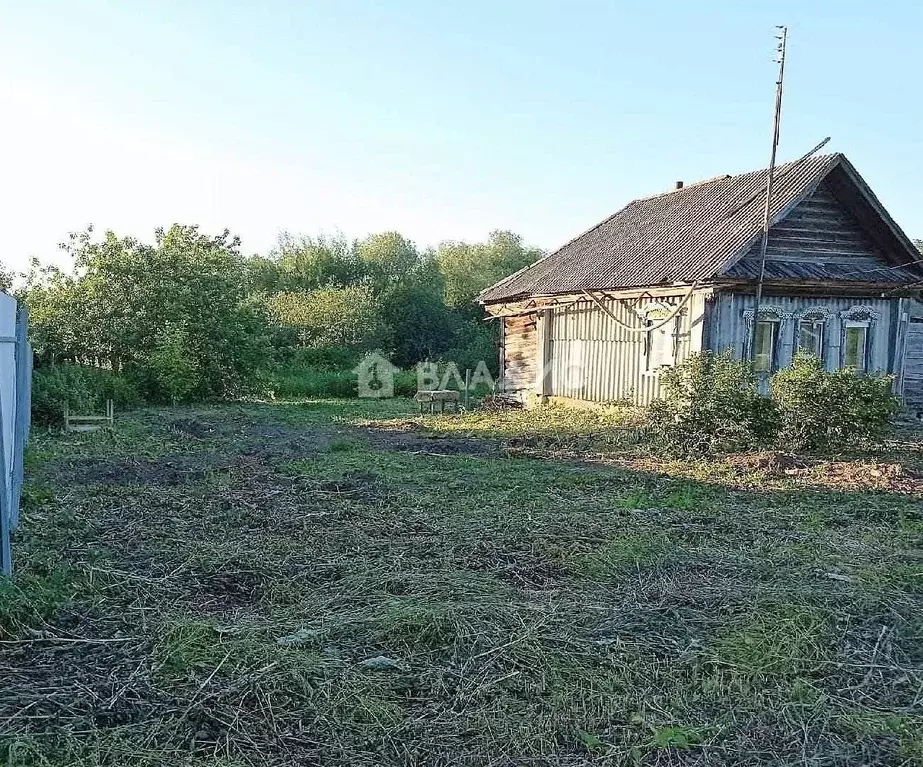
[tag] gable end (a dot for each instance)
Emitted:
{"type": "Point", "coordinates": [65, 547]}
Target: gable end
{"type": "Point", "coordinates": [821, 239]}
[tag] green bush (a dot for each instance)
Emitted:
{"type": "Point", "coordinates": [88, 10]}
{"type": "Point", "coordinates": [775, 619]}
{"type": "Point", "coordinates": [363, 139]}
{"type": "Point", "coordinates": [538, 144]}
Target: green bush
{"type": "Point", "coordinates": [710, 404]}
{"type": "Point", "coordinates": [327, 358]}
{"type": "Point", "coordinates": [172, 369]}
{"type": "Point", "coordinates": [84, 388]}
{"type": "Point", "coordinates": [830, 411]}
{"type": "Point", "coordinates": [311, 382]}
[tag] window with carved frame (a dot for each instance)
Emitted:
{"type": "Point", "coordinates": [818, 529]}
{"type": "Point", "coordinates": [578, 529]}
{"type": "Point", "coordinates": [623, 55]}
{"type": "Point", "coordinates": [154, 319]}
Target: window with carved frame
{"type": "Point", "coordinates": [857, 337]}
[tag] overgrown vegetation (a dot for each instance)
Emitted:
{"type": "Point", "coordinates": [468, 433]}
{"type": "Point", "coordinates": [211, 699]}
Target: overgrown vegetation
{"type": "Point", "coordinates": [820, 410]}
{"type": "Point", "coordinates": [711, 404]}
{"type": "Point", "coordinates": [276, 585]}
{"type": "Point", "coordinates": [190, 318]}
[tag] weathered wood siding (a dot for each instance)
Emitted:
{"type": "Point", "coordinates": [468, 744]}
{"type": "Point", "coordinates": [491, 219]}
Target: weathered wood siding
{"type": "Point", "coordinates": [819, 232]}
{"type": "Point", "coordinates": [728, 326]}
{"type": "Point", "coordinates": [592, 358]}
{"type": "Point", "coordinates": [519, 354]}
{"type": "Point", "coordinates": [913, 365]}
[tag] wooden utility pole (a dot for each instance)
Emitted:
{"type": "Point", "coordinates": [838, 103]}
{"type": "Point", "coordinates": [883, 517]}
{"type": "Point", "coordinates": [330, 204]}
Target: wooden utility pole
{"type": "Point", "coordinates": [782, 37]}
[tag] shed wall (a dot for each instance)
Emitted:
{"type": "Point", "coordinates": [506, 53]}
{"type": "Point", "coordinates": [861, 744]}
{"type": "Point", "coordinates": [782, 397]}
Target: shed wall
{"type": "Point", "coordinates": [593, 358]}
{"type": "Point", "coordinates": [519, 354]}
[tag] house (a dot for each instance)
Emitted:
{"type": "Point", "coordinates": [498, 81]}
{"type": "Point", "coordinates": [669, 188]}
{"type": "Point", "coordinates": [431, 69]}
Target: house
{"type": "Point", "coordinates": [669, 275]}
{"type": "Point", "coordinates": [913, 360]}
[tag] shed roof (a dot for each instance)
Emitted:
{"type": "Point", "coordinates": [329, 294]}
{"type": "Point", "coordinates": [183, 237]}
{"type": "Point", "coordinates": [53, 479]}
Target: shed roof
{"type": "Point", "coordinates": [698, 232]}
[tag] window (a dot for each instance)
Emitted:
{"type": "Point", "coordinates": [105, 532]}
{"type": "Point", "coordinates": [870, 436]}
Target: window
{"type": "Point", "coordinates": [764, 346]}
{"type": "Point", "coordinates": [857, 338]}
{"type": "Point", "coordinates": [811, 336]}
{"type": "Point", "coordinates": [660, 343]}
{"type": "Point", "coordinates": [855, 347]}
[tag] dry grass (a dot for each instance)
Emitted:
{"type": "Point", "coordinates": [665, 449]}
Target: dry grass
{"type": "Point", "coordinates": [253, 585]}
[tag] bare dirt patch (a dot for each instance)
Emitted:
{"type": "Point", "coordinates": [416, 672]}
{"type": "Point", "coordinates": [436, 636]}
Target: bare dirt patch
{"type": "Point", "coordinates": [175, 469]}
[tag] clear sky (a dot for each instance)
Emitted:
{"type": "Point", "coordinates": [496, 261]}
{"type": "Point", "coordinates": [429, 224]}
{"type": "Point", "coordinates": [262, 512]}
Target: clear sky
{"type": "Point", "coordinates": [443, 120]}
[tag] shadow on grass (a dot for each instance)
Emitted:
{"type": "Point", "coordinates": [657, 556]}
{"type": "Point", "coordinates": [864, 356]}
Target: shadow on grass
{"type": "Point", "coordinates": [354, 604]}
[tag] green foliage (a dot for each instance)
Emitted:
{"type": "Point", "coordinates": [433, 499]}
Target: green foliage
{"type": "Point", "coordinates": [326, 358]}
{"type": "Point", "coordinates": [329, 316]}
{"type": "Point", "coordinates": [420, 327]}
{"type": "Point", "coordinates": [291, 382]}
{"type": "Point", "coordinates": [837, 410]}
{"type": "Point", "coordinates": [123, 295]}
{"type": "Point", "coordinates": [187, 317]}
{"type": "Point", "coordinates": [710, 403]}
{"type": "Point", "coordinates": [173, 369]}
{"type": "Point", "coordinates": [388, 259]}
{"type": "Point", "coordinates": [308, 263]}
{"type": "Point", "coordinates": [84, 388]}
{"type": "Point", "coordinates": [470, 267]}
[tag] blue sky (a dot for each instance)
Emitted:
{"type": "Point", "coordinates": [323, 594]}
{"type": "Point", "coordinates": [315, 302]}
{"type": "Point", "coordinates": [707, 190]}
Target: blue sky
{"type": "Point", "coordinates": [441, 120]}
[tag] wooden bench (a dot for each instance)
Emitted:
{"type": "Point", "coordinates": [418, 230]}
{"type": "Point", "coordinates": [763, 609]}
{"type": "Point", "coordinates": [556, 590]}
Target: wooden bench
{"type": "Point", "coordinates": [439, 397]}
{"type": "Point", "coordinates": [88, 422]}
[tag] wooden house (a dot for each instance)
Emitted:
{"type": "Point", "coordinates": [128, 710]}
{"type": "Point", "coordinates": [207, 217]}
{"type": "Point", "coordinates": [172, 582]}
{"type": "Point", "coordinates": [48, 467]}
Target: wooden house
{"type": "Point", "coordinates": [666, 276]}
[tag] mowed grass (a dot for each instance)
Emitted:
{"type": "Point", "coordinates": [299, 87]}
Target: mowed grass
{"type": "Point", "coordinates": [340, 583]}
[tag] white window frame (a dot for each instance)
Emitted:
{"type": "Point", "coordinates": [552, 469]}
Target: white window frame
{"type": "Point", "coordinates": [866, 347]}
{"type": "Point", "coordinates": [779, 317]}
{"type": "Point", "coordinates": [654, 314]}
{"type": "Point", "coordinates": [776, 329]}
{"type": "Point", "coordinates": [860, 316]}
{"type": "Point", "coordinates": [815, 316]}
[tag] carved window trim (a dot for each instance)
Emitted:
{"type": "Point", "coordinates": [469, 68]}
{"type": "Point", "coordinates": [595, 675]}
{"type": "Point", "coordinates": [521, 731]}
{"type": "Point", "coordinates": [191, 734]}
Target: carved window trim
{"type": "Point", "coordinates": [861, 313]}
{"type": "Point", "coordinates": [814, 314]}
{"type": "Point", "coordinates": [644, 312]}
{"type": "Point", "coordinates": [858, 316]}
{"type": "Point", "coordinates": [770, 313]}
{"type": "Point", "coordinates": [823, 313]}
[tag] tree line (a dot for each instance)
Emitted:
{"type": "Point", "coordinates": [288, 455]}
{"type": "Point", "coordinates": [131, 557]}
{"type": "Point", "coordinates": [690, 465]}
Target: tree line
{"type": "Point", "coordinates": [189, 316]}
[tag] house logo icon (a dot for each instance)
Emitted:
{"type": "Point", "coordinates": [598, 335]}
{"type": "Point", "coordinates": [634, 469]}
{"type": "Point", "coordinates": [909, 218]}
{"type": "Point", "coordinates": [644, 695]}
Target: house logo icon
{"type": "Point", "coordinates": [375, 375]}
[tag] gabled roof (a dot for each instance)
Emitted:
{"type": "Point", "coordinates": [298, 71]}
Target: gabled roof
{"type": "Point", "coordinates": [698, 232]}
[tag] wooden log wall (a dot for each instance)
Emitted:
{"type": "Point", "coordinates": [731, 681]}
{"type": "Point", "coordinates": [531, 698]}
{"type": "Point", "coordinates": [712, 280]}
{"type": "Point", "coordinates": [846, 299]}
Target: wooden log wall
{"type": "Point", "coordinates": [519, 354]}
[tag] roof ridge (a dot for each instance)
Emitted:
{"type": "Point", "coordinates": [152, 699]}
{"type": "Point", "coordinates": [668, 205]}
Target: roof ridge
{"type": "Point", "coordinates": [729, 176]}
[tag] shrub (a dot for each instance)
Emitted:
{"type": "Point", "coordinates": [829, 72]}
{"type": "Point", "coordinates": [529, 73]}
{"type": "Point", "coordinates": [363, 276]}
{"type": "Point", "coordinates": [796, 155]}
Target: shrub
{"type": "Point", "coordinates": [328, 316]}
{"type": "Point", "coordinates": [173, 371]}
{"type": "Point", "coordinates": [84, 388]}
{"type": "Point", "coordinates": [327, 358]}
{"type": "Point", "coordinates": [710, 403]}
{"type": "Point", "coordinates": [311, 382]}
{"type": "Point", "coordinates": [828, 411]}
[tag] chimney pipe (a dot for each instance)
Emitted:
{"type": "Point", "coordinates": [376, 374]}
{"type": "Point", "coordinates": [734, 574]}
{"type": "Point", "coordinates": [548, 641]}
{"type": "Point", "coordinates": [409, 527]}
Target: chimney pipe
{"type": "Point", "coordinates": [679, 184]}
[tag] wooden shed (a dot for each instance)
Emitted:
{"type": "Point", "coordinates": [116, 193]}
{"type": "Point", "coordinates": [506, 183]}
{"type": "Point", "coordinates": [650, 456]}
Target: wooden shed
{"type": "Point", "coordinates": [599, 319]}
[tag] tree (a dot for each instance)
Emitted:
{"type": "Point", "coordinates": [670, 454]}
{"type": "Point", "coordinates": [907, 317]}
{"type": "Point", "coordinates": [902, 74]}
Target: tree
{"type": "Point", "coordinates": [469, 268]}
{"type": "Point", "coordinates": [330, 316]}
{"type": "Point", "coordinates": [6, 278]}
{"type": "Point", "coordinates": [131, 306]}
{"type": "Point", "coordinates": [388, 259]}
{"type": "Point", "coordinates": [418, 322]}
{"type": "Point", "coordinates": [306, 263]}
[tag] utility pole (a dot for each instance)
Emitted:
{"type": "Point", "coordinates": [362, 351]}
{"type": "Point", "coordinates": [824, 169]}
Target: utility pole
{"type": "Point", "coordinates": [781, 36]}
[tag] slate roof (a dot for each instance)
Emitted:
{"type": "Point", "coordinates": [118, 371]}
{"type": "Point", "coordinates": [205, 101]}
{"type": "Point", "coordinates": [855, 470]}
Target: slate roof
{"type": "Point", "coordinates": [687, 235]}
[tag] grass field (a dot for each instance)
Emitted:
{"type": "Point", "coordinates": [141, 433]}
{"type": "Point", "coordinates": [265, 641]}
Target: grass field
{"type": "Point", "coordinates": [331, 583]}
